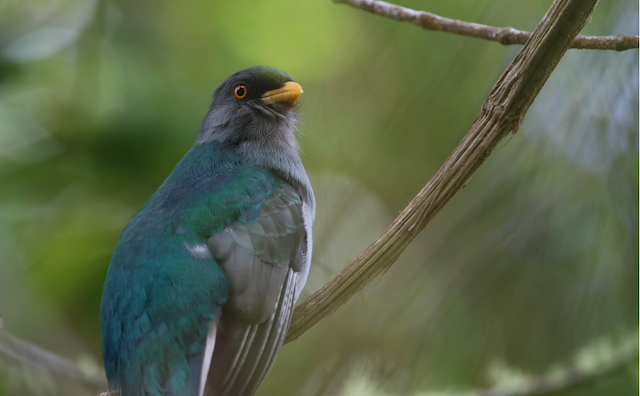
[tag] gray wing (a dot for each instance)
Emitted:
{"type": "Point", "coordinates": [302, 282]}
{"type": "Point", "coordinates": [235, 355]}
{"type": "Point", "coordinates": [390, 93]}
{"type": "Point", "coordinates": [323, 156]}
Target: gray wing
{"type": "Point", "coordinates": [262, 254]}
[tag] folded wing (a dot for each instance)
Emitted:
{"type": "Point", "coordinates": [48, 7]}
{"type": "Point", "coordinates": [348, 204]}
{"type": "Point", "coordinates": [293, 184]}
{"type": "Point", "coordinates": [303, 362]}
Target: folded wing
{"type": "Point", "coordinates": [262, 254]}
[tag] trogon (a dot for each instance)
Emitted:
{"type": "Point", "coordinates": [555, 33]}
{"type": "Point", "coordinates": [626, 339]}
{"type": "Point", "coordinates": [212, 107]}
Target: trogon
{"type": "Point", "coordinates": [201, 286]}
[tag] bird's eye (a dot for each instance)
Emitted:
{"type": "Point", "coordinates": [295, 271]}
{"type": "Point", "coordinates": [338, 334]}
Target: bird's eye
{"type": "Point", "coordinates": [240, 91]}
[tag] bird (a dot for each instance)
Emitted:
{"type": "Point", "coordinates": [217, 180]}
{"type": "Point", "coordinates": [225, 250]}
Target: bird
{"type": "Point", "coordinates": [201, 286]}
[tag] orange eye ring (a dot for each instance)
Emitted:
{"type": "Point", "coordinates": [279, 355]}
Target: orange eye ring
{"type": "Point", "coordinates": [240, 91]}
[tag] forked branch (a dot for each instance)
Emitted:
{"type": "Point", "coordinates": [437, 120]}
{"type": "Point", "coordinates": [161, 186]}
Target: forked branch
{"type": "Point", "coordinates": [506, 35]}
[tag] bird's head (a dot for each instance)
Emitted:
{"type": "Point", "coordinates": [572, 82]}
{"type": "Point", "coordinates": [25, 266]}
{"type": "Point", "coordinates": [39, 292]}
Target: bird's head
{"type": "Point", "coordinates": [253, 105]}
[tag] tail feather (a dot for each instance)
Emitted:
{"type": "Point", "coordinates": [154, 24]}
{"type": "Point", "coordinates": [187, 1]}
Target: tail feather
{"type": "Point", "coordinates": [245, 352]}
{"type": "Point", "coordinates": [208, 353]}
{"type": "Point", "coordinates": [280, 332]}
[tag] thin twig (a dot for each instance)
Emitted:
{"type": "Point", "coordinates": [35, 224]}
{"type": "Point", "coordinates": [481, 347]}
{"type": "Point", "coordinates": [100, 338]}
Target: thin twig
{"type": "Point", "coordinates": [505, 36]}
{"type": "Point", "coordinates": [599, 363]}
{"type": "Point", "coordinates": [502, 112]}
{"type": "Point", "coordinates": [555, 382]}
{"type": "Point", "coordinates": [32, 355]}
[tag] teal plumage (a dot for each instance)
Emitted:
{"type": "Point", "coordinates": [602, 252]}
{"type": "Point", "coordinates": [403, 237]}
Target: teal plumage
{"type": "Point", "coordinates": [216, 257]}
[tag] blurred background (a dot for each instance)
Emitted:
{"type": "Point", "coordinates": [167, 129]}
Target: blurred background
{"type": "Point", "coordinates": [532, 269]}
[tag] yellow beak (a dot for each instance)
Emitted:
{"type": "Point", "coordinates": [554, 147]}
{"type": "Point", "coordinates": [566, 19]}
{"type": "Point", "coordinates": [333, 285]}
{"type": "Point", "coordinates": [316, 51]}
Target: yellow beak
{"type": "Point", "coordinates": [289, 92]}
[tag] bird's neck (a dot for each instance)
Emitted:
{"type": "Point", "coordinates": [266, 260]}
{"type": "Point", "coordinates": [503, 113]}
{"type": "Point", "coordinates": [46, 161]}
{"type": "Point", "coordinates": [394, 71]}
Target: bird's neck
{"type": "Point", "coordinates": [281, 156]}
{"type": "Point", "coordinates": [270, 144]}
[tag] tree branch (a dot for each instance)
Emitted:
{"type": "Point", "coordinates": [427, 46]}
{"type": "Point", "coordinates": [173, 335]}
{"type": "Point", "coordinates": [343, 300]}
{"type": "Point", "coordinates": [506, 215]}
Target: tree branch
{"type": "Point", "coordinates": [34, 356]}
{"type": "Point", "coordinates": [557, 381]}
{"type": "Point", "coordinates": [502, 112]}
{"type": "Point", "coordinates": [505, 36]}
{"type": "Point", "coordinates": [590, 363]}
